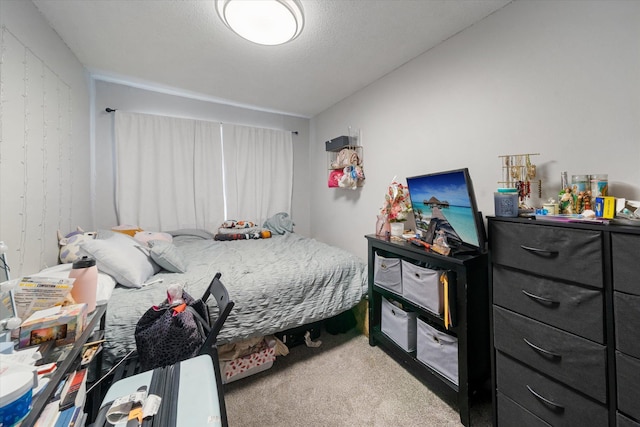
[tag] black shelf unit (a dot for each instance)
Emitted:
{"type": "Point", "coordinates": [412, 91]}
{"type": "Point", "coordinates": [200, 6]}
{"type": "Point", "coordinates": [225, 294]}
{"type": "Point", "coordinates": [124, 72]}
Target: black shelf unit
{"type": "Point", "coordinates": [471, 326]}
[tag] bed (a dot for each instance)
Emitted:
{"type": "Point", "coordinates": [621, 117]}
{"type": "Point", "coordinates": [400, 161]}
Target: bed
{"type": "Point", "coordinates": [276, 283]}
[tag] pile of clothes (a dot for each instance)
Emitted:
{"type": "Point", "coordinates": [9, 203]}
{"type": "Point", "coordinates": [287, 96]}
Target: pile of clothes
{"type": "Point", "coordinates": [280, 223]}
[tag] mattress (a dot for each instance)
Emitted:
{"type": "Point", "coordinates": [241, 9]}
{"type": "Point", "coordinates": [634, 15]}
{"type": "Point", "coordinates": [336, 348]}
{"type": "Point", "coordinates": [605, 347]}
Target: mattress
{"type": "Point", "coordinates": [277, 284]}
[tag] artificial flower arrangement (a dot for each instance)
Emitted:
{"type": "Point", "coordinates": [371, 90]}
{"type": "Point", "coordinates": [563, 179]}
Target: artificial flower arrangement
{"type": "Point", "coordinates": [397, 204]}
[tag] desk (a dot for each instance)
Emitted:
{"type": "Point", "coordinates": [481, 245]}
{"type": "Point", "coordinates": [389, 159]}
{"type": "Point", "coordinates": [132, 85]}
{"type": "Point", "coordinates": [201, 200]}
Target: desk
{"type": "Point", "coordinates": [197, 396]}
{"type": "Point", "coordinates": [69, 364]}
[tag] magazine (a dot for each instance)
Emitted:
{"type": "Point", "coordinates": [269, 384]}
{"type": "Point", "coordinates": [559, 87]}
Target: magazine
{"type": "Point", "coordinates": [32, 294]}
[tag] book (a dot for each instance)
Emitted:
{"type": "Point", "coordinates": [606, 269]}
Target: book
{"type": "Point", "coordinates": [48, 415]}
{"type": "Point", "coordinates": [75, 393]}
{"type": "Point", "coordinates": [78, 415]}
{"type": "Point", "coordinates": [64, 418]}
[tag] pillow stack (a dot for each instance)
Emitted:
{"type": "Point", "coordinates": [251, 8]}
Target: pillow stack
{"type": "Point", "coordinates": [133, 261]}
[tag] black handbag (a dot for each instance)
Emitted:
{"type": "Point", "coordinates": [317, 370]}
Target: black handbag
{"type": "Point", "coordinates": [167, 334]}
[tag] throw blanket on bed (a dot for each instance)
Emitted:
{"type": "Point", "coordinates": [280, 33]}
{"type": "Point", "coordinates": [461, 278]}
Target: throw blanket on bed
{"type": "Point", "coordinates": [276, 284]}
{"type": "Point", "coordinates": [244, 236]}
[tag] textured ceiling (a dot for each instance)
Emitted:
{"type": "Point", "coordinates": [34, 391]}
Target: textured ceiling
{"type": "Point", "coordinates": [183, 45]}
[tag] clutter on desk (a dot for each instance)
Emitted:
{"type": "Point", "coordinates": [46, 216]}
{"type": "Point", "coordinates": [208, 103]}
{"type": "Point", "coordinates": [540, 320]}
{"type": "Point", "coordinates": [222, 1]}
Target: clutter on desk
{"type": "Point", "coordinates": [36, 293]}
{"type": "Point", "coordinates": [63, 324]}
{"type": "Point", "coordinates": [587, 198]}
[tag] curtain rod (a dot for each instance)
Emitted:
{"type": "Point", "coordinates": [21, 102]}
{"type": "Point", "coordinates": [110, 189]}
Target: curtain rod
{"type": "Point", "coordinates": [112, 110]}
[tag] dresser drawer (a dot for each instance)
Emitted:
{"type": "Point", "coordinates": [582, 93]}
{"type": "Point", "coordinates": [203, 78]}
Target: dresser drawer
{"type": "Point", "coordinates": [512, 414]}
{"type": "Point", "coordinates": [551, 401]}
{"type": "Point", "coordinates": [626, 310]}
{"type": "Point", "coordinates": [572, 360]}
{"type": "Point", "coordinates": [568, 254]}
{"type": "Point", "coordinates": [622, 421]}
{"type": "Point", "coordinates": [568, 307]}
{"type": "Point", "coordinates": [626, 268]}
{"type": "Point", "coordinates": [628, 383]}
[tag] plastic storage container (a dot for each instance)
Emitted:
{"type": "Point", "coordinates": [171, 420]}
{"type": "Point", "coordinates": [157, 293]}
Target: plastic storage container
{"type": "Point", "coordinates": [506, 202]}
{"type": "Point", "coordinates": [15, 396]}
{"type": "Point", "coordinates": [399, 325]}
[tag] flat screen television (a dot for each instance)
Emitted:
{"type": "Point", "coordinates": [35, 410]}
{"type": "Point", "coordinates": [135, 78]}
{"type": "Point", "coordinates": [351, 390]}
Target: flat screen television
{"type": "Point", "coordinates": [446, 201]}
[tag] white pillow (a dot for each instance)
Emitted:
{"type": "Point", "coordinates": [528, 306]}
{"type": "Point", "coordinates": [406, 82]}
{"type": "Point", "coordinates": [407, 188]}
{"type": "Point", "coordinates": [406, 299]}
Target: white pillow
{"type": "Point", "coordinates": [121, 257]}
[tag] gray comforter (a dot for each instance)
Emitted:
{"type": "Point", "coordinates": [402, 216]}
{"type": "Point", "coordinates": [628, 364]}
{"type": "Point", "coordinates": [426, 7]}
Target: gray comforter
{"type": "Point", "coordinates": [276, 284]}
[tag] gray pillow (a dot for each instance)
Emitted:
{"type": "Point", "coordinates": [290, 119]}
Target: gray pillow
{"type": "Point", "coordinates": [167, 256]}
{"type": "Point", "coordinates": [191, 232]}
{"type": "Point", "coordinates": [121, 257]}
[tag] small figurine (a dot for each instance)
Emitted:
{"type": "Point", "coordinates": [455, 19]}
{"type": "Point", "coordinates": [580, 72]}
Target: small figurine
{"type": "Point", "coordinates": [440, 244]}
{"type": "Point", "coordinates": [566, 202]}
{"type": "Point", "coordinates": [587, 201]}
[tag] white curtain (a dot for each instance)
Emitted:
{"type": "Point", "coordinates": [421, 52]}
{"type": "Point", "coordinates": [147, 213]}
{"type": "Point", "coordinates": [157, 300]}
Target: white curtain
{"type": "Point", "coordinates": [258, 171]}
{"type": "Point", "coordinates": [168, 172]}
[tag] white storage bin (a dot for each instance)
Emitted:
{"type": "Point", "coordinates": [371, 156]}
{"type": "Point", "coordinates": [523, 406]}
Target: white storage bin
{"type": "Point", "coordinates": [387, 273]}
{"type": "Point", "coordinates": [399, 325]}
{"type": "Point", "coordinates": [422, 286]}
{"type": "Point", "coordinates": [437, 350]}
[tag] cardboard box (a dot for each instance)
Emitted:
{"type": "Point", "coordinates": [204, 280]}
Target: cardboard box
{"type": "Point", "coordinates": [62, 324]}
{"type": "Point", "coordinates": [605, 207]}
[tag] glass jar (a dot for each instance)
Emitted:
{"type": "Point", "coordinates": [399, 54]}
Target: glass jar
{"type": "Point", "coordinates": [579, 183]}
{"type": "Point", "coordinates": [599, 185]}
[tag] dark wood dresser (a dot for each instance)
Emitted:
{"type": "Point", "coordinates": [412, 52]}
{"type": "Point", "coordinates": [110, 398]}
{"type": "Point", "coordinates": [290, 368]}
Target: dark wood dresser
{"type": "Point", "coordinates": [565, 323]}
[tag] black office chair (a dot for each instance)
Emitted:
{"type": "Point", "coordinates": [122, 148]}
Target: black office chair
{"type": "Point", "coordinates": [220, 293]}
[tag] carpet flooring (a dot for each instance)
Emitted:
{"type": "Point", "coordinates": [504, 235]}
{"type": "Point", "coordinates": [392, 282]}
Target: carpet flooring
{"type": "Point", "coordinates": [344, 382]}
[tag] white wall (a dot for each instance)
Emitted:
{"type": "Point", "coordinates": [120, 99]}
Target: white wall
{"type": "Point", "coordinates": [128, 98]}
{"type": "Point", "coordinates": [44, 133]}
{"type": "Point", "coordinates": [559, 78]}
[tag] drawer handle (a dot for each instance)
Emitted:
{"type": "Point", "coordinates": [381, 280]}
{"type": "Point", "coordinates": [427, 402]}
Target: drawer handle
{"type": "Point", "coordinates": [548, 402]}
{"type": "Point", "coordinates": [542, 350]}
{"type": "Point", "coordinates": [540, 299]}
{"type": "Point", "coordinates": [538, 251]}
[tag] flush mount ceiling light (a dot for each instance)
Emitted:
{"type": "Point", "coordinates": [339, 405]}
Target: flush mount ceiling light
{"type": "Point", "coordinates": [266, 22]}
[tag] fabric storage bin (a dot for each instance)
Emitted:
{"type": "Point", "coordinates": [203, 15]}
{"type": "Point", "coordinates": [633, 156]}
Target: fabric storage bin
{"type": "Point", "coordinates": [399, 325]}
{"type": "Point", "coordinates": [437, 350]}
{"type": "Point", "coordinates": [387, 273]}
{"type": "Point", "coordinates": [422, 286]}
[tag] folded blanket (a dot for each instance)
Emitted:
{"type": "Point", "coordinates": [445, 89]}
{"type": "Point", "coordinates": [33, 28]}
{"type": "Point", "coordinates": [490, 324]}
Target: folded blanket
{"type": "Point", "coordinates": [243, 236]}
{"type": "Point", "coordinates": [280, 223]}
{"type": "Point", "coordinates": [223, 230]}
{"type": "Point", "coordinates": [232, 223]}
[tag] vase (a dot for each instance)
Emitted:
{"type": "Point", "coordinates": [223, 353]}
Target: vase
{"type": "Point", "coordinates": [397, 229]}
{"type": "Point", "coordinates": [383, 227]}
